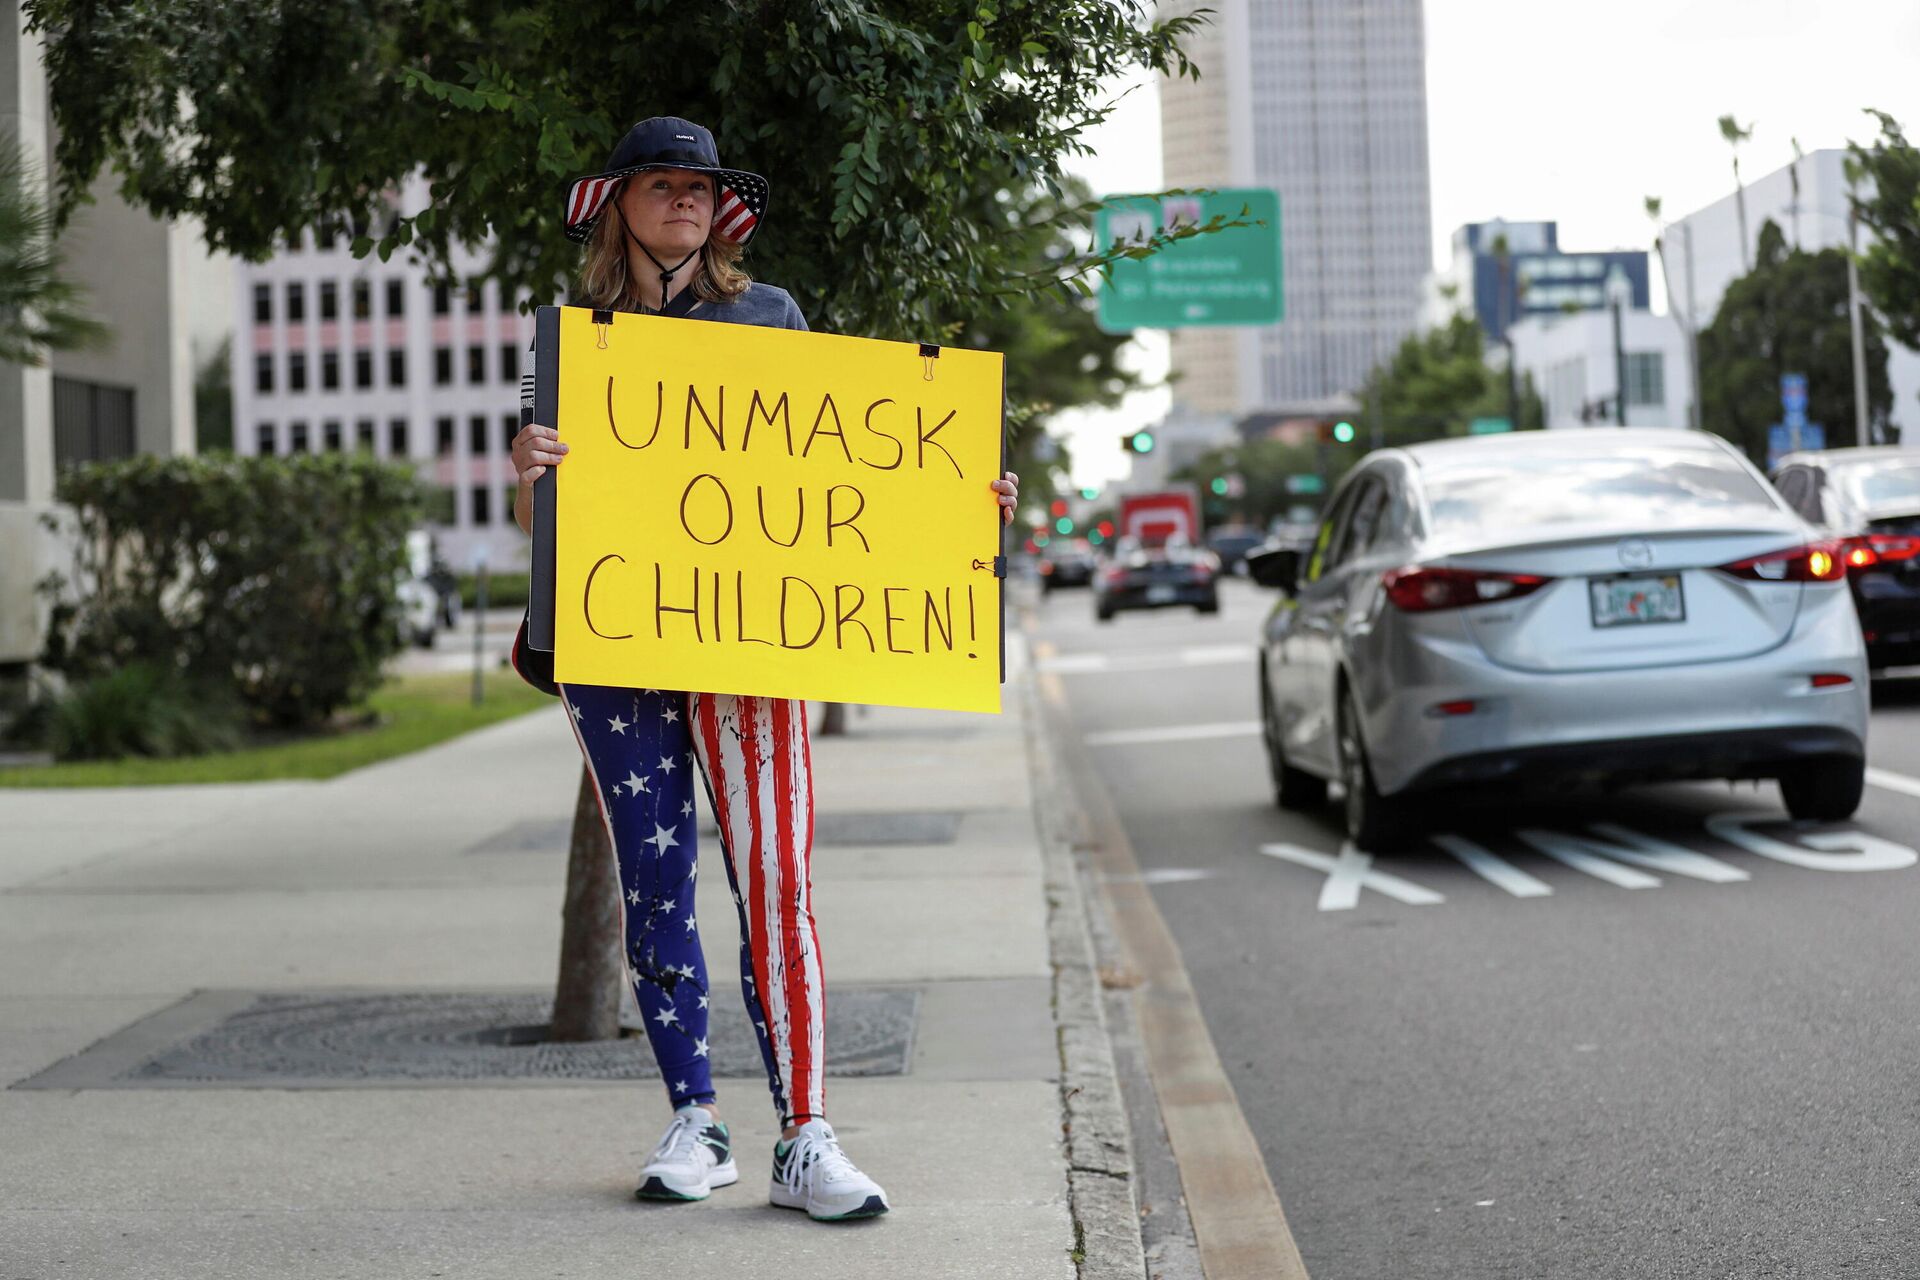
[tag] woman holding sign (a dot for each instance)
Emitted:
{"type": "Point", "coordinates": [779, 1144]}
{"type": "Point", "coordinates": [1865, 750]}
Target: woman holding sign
{"type": "Point", "coordinates": [664, 227]}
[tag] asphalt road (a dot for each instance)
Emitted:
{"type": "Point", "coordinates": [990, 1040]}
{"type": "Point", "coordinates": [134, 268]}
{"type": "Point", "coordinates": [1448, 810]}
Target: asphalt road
{"type": "Point", "coordinates": [1705, 1063]}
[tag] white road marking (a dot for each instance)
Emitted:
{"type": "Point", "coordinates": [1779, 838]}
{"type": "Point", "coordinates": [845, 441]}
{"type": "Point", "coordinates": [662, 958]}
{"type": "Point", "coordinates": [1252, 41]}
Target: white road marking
{"type": "Point", "coordinates": [1210, 655]}
{"type": "Point", "coordinates": [1623, 845]}
{"type": "Point", "coordinates": [1493, 868]}
{"type": "Point", "coordinates": [1851, 850]}
{"type": "Point", "coordinates": [1889, 781]}
{"type": "Point", "coordinates": [1172, 733]}
{"type": "Point", "coordinates": [1171, 875]}
{"type": "Point", "coordinates": [1348, 874]}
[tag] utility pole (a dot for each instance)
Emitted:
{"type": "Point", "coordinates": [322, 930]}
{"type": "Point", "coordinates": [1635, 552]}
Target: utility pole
{"type": "Point", "coordinates": [1616, 286]}
{"type": "Point", "coordinates": [1693, 330]}
{"type": "Point", "coordinates": [1863, 433]}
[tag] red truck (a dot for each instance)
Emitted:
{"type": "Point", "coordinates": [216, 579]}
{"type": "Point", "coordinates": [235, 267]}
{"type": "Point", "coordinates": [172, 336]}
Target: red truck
{"type": "Point", "coordinates": [1154, 519]}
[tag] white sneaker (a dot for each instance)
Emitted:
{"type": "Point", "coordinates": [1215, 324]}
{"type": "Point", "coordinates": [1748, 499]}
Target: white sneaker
{"type": "Point", "coordinates": [693, 1157]}
{"type": "Point", "coordinates": [814, 1174]}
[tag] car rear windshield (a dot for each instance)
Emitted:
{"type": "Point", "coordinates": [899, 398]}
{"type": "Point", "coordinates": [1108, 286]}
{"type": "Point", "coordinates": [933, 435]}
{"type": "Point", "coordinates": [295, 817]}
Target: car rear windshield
{"type": "Point", "coordinates": [1653, 486]}
{"type": "Point", "coordinates": [1887, 484]}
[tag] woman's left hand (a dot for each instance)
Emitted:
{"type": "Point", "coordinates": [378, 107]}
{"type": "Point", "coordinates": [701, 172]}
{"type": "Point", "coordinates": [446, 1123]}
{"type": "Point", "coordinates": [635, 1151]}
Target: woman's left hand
{"type": "Point", "coordinates": [1008, 494]}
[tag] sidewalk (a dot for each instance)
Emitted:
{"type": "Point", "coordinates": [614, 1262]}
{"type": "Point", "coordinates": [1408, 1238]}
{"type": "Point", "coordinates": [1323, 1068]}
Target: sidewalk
{"type": "Point", "coordinates": [442, 873]}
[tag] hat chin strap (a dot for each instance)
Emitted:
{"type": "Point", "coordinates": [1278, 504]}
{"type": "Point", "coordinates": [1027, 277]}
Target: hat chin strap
{"type": "Point", "coordinates": [667, 273]}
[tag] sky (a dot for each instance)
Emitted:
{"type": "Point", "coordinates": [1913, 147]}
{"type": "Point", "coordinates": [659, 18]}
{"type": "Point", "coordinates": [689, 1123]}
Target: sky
{"type": "Point", "coordinates": [1575, 111]}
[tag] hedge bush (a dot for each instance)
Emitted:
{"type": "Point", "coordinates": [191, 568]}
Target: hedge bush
{"type": "Point", "coordinates": [271, 578]}
{"type": "Point", "coordinates": [141, 710]}
{"type": "Point", "coordinates": [504, 590]}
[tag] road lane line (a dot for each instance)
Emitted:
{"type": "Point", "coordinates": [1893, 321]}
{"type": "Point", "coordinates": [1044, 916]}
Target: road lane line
{"type": "Point", "coordinates": [1109, 663]}
{"type": "Point", "coordinates": [1889, 781]}
{"type": "Point", "coordinates": [1348, 874]}
{"type": "Point", "coordinates": [1172, 733]}
{"type": "Point", "coordinates": [1493, 868]}
{"type": "Point", "coordinates": [1572, 854]}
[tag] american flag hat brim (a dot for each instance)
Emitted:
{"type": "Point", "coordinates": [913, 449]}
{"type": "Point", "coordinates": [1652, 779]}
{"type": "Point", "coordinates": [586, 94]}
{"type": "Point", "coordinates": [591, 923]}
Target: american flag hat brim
{"type": "Point", "coordinates": [739, 205]}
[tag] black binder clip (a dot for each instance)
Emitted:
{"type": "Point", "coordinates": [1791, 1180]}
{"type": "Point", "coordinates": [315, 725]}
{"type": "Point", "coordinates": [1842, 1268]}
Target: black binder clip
{"type": "Point", "coordinates": [929, 352]}
{"type": "Point", "coordinates": [603, 320]}
{"type": "Point", "coordinates": [999, 566]}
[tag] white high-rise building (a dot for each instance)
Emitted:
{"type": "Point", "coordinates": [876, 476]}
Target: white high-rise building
{"type": "Point", "coordinates": [1324, 101]}
{"type": "Point", "coordinates": [334, 352]}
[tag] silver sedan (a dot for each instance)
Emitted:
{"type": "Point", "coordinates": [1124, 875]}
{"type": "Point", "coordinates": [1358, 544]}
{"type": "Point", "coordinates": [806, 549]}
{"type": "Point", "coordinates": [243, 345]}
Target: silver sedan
{"type": "Point", "coordinates": [1600, 605]}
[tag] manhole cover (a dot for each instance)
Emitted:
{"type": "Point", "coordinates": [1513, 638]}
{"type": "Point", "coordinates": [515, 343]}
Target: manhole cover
{"type": "Point", "coordinates": [459, 1036]}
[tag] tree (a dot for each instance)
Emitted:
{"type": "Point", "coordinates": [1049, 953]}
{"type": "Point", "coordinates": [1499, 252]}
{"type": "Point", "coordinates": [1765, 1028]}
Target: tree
{"type": "Point", "coordinates": [1886, 177]}
{"type": "Point", "coordinates": [1735, 135]}
{"type": "Point", "coordinates": [1787, 315]}
{"type": "Point", "coordinates": [886, 129]}
{"type": "Point", "coordinates": [213, 401]}
{"type": "Point", "coordinates": [39, 311]}
{"type": "Point", "coordinates": [1437, 382]}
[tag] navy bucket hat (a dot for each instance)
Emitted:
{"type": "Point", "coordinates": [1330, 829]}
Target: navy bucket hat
{"type": "Point", "coordinates": [668, 142]}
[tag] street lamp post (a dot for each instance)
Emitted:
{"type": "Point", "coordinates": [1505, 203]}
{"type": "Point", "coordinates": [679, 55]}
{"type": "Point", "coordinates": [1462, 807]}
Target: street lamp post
{"type": "Point", "coordinates": [1619, 293]}
{"type": "Point", "coordinates": [1861, 429]}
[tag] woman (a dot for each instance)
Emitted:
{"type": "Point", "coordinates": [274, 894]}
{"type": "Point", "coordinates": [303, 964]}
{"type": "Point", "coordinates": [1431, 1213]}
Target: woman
{"type": "Point", "coordinates": [672, 245]}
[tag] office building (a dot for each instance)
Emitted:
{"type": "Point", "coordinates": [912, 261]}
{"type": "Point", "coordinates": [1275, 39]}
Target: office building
{"type": "Point", "coordinates": [1570, 357]}
{"type": "Point", "coordinates": [1503, 272]}
{"type": "Point", "coordinates": [1324, 101]}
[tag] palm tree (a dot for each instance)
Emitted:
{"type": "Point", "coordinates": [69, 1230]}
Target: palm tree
{"type": "Point", "coordinates": [39, 311]}
{"type": "Point", "coordinates": [1730, 130]}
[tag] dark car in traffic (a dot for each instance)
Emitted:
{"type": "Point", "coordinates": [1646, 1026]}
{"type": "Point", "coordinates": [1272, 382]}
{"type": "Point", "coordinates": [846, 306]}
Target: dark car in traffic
{"type": "Point", "coordinates": [1141, 577]}
{"type": "Point", "coordinates": [1870, 499]}
{"type": "Point", "coordinates": [1232, 545]}
{"type": "Point", "coordinates": [1066, 564]}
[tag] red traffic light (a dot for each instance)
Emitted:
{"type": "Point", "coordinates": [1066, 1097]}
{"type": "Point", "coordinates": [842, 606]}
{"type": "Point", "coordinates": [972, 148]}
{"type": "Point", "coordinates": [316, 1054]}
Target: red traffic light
{"type": "Point", "coordinates": [1059, 507]}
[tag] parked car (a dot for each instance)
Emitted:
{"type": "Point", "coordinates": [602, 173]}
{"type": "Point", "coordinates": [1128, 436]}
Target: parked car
{"type": "Point", "coordinates": [1232, 545]}
{"type": "Point", "coordinates": [421, 608]}
{"type": "Point", "coordinates": [1615, 606]}
{"type": "Point", "coordinates": [1066, 564]}
{"type": "Point", "coordinates": [1871, 498]}
{"type": "Point", "coordinates": [1157, 577]}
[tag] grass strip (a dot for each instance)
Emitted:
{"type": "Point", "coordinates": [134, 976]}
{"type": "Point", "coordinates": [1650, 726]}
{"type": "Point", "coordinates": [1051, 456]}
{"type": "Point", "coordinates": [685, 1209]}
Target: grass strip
{"type": "Point", "coordinates": [413, 712]}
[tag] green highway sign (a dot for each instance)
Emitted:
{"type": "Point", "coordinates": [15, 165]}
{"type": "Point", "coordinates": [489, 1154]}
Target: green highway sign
{"type": "Point", "coordinates": [1489, 426]}
{"type": "Point", "coordinates": [1308, 483]}
{"type": "Point", "coordinates": [1229, 277]}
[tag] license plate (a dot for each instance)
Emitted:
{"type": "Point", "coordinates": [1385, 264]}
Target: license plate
{"type": "Point", "coordinates": [1160, 595]}
{"type": "Point", "coordinates": [1628, 601]}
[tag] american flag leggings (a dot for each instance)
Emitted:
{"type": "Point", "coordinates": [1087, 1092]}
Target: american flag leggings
{"type": "Point", "coordinates": [644, 748]}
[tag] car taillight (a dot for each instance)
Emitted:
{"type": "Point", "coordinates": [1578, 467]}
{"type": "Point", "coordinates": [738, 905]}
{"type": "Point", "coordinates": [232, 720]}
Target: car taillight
{"type": "Point", "coordinates": [1420, 589]}
{"type": "Point", "coordinates": [1815, 562]}
{"type": "Point", "coordinates": [1113, 576]}
{"type": "Point", "coordinates": [1046, 567]}
{"type": "Point", "coordinates": [1880, 548]}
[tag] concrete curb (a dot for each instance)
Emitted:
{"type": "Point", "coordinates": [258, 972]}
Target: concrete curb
{"type": "Point", "coordinates": [1106, 1217]}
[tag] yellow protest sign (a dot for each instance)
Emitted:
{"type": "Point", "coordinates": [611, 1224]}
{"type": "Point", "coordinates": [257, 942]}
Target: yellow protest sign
{"type": "Point", "coordinates": [765, 511]}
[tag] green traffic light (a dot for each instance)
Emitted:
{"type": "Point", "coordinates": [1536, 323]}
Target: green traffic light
{"type": "Point", "coordinates": [1064, 524]}
{"type": "Point", "coordinates": [1142, 442]}
{"type": "Point", "coordinates": [1343, 432]}
{"type": "Point", "coordinates": [1219, 485]}
{"type": "Point", "coordinates": [1089, 494]}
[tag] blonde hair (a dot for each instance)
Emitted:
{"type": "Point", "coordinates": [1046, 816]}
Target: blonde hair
{"type": "Point", "coordinates": [606, 282]}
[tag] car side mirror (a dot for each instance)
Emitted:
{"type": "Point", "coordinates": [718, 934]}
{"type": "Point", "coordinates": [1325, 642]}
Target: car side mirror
{"type": "Point", "coordinates": [1275, 567]}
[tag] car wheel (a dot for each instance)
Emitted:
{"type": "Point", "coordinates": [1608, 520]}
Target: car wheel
{"type": "Point", "coordinates": [1292, 788]}
{"type": "Point", "coordinates": [1211, 606]}
{"type": "Point", "coordinates": [1824, 790]}
{"type": "Point", "coordinates": [1375, 823]}
{"type": "Point", "coordinates": [1103, 613]}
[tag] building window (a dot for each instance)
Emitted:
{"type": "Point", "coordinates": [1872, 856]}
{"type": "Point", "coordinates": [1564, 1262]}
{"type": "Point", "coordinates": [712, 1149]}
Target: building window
{"type": "Point", "coordinates": [509, 361]}
{"type": "Point", "coordinates": [330, 370]}
{"type": "Point", "coordinates": [442, 300]}
{"type": "Point", "coordinates": [476, 365]}
{"type": "Point", "coordinates": [330, 435]}
{"type": "Point", "coordinates": [263, 304]}
{"type": "Point", "coordinates": [363, 369]}
{"type": "Point", "coordinates": [363, 434]}
{"type": "Point", "coordinates": [1646, 378]}
{"type": "Point", "coordinates": [475, 300]}
{"type": "Point", "coordinates": [477, 436]}
{"type": "Point", "coordinates": [396, 437]}
{"type": "Point", "coordinates": [443, 437]}
{"type": "Point", "coordinates": [296, 302]}
{"type": "Point", "coordinates": [329, 300]}
{"type": "Point", "coordinates": [296, 371]}
{"type": "Point", "coordinates": [396, 299]}
{"type": "Point", "coordinates": [509, 428]}
{"type": "Point", "coordinates": [443, 366]}
{"type": "Point", "coordinates": [362, 300]}
{"type": "Point", "coordinates": [397, 367]}
{"type": "Point", "coordinates": [440, 503]}
{"type": "Point", "coordinates": [297, 437]}
{"type": "Point", "coordinates": [263, 372]}
{"type": "Point", "coordinates": [482, 505]}
{"type": "Point", "coordinates": [92, 422]}
{"type": "Point", "coordinates": [263, 443]}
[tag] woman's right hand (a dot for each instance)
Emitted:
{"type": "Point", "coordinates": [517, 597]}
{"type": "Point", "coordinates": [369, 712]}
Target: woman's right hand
{"type": "Point", "coordinates": [534, 450]}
